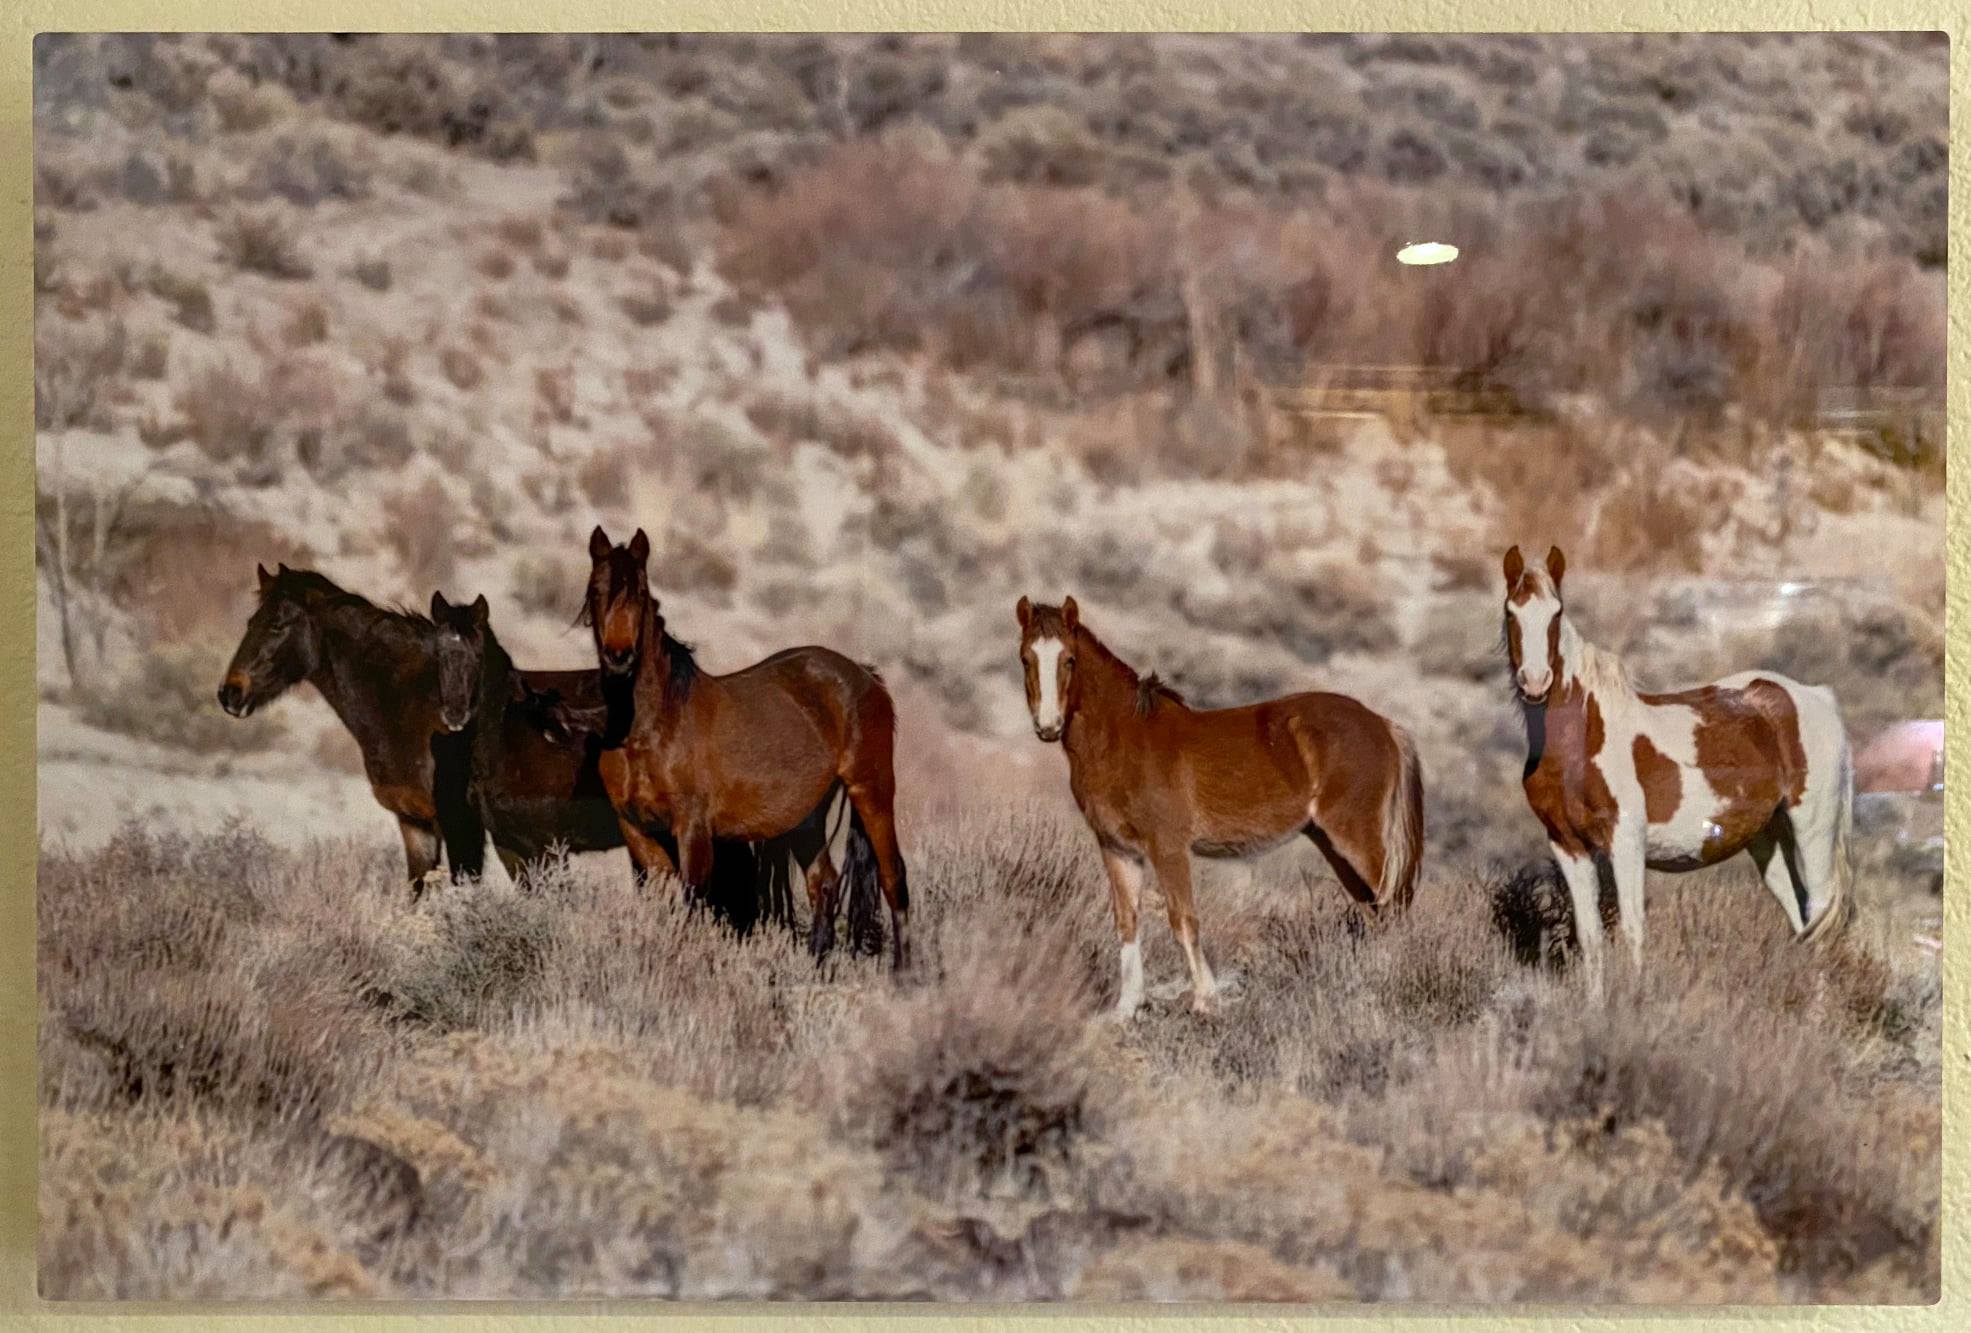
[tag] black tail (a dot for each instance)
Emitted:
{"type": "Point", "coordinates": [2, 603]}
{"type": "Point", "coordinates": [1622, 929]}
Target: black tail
{"type": "Point", "coordinates": [732, 892]}
{"type": "Point", "coordinates": [864, 891]}
{"type": "Point", "coordinates": [781, 857]}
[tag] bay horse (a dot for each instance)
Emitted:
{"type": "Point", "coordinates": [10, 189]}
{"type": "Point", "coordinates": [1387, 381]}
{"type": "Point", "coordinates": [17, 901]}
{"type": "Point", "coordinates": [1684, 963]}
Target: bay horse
{"type": "Point", "coordinates": [534, 777]}
{"type": "Point", "coordinates": [759, 753]}
{"type": "Point", "coordinates": [1636, 781]}
{"type": "Point", "coordinates": [379, 670]}
{"type": "Point", "coordinates": [1158, 780]}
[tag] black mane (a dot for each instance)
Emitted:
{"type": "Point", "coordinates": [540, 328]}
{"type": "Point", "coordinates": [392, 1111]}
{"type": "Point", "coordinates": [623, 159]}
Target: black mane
{"type": "Point", "coordinates": [323, 595]}
{"type": "Point", "coordinates": [684, 667]}
{"type": "Point", "coordinates": [1149, 690]}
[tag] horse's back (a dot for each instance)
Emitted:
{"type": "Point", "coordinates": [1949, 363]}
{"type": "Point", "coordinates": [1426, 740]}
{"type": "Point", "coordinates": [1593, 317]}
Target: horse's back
{"type": "Point", "coordinates": [820, 680]}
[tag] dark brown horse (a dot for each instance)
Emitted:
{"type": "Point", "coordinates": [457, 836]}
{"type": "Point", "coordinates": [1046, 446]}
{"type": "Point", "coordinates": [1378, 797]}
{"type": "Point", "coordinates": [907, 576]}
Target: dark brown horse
{"type": "Point", "coordinates": [756, 754]}
{"type": "Point", "coordinates": [379, 670]}
{"type": "Point", "coordinates": [535, 743]}
{"type": "Point", "coordinates": [1158, 780]}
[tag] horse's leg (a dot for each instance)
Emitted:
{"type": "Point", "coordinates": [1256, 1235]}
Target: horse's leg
{"type": "Point", "coordinates": [823, 887]}
{"type": "Point", "coordinates": [1629, 859]}
{"type": "Point", "coordinates": [1126, 896]}
{"type": "Point", "coordinates": [420, 850]}
{"type": "Point", "coordinates": [874, 799]}
{"type": "Point", "coordinates": [1584, 893]}
{"type": "Point", "coordinates": [649, 853]}
{"type": "Point", "coordinates": [695, 857]}
{"type": "Point", "coordinates": [1173, 867]}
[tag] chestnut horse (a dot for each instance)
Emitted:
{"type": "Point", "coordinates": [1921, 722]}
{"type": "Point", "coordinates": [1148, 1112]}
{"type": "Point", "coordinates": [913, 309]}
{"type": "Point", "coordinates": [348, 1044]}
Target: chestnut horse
{"type": "Point", "coordinates": [1158, 780]}
{"type": "Point", "coordinates": [534, 773]}
{"type": "Point", "coordinates": [755, 754]}
{"type": "Point", "coordinates": [1754, 762]}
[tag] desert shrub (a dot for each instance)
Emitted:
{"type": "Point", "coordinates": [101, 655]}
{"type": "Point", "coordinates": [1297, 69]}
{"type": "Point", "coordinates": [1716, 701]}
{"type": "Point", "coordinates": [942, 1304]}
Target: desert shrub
{"type": "Point", "coordinates": [308, 326]}
{"type": "Point", "coordinates": [168, 701]}
{"type": "Point", "coordinates": [645, 311]}
{"type": "Point", "coordinates": [152, 358]}
{"type": "Point", "coordinates": [228, 415]}
{"type": "Point", "coordinates": [549, 586]}
{"type": "Point", "coordinates": [1313, 616]}
{"type": "Point", "coordinates": [605, 476]}
{"type": "Point", "coordinates": [159, 563]}
{"type": "Point", "coordinates": [373, 274]}
{"type": "Point", "coordinates": [74, 376]}
{"type": "Point", "coordinates": [486, 954]}
{"type": "Point", "coordinates": [978, 1088]}
{"type": "Point", "coordinates": [306, 175]}
{"type": "Point", "coordinates": [685, 564]}
{"type": "Point", "coordinates": [141, 182]}
{"type": "Point", "coordinates": [419, 529]}
{"type": "Point", "coordinates": [190, 299]}
{"type": "Point", "coordinates": [262, 243]}
{"type": "Point", "coordinates": [462, 368]}
{"type": "Point", "coordinates": [373, 437]}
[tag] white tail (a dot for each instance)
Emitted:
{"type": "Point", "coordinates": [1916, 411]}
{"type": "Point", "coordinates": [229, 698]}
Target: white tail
{"type": "Point", "coordinates": [1402, 826]}
{"type": "Point", "coordinates": [1840, 905]}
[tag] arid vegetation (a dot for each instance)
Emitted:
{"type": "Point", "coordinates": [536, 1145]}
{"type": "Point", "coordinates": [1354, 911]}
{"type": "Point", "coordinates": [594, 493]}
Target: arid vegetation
{"type": "Point", "coordinates": [874, 335]}
{"type": "Point", "coordinates": [316, 1089]}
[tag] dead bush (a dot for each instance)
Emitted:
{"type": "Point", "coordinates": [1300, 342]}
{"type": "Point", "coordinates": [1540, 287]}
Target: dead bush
{"type": "Point", "coordinates": [190, 300]}
{"type": "Point", "coordinates": [262, 243]}
{"type": "Point", "coordinates": [168, 701]}
{"type": "Point", "coordinates": [418, 527]}
{"type": "Point", "coordinates": [74, 377]}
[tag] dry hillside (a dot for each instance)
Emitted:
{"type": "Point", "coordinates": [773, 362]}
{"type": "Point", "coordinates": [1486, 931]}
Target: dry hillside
{"type": "Point", "coordinates": [874, 335]}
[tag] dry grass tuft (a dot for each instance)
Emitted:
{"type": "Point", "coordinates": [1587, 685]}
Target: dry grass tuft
{"type": "Point", "coordinates": [262, 243]}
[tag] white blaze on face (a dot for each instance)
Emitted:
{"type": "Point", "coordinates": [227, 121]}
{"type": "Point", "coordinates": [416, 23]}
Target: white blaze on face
{"type": "Point", "coordinates": [1047, 678]}
{"type": "Point", "coordinates": [1534, 619]}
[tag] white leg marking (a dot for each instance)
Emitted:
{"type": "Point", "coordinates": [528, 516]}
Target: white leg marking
{"type": "Point", "coordinates": [1584, 892]}
{"type": "Point", "coordinates": [1131, 997]}
{"type": "Point", "coordinates": [1628, 860]}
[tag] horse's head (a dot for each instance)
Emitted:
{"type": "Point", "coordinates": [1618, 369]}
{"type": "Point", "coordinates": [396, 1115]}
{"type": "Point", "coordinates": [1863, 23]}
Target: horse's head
{"type": "Point", "coordinates": [461, 651]}
{"type": "Point", "coordinates": [618, 600]}
{"type": "Point", "coordinates": [1533, 611]}
{"type": "Point", "coordinates": [281, 645]}
{"type": "Point", "coordinates": [1047, 652]}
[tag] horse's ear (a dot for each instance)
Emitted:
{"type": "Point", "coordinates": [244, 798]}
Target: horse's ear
{"type": "Point", "coordinates": [1025, 611]}
{"type": "Point", "coordinates": [439, 606]}
{"type": "Point", "coordinates": [479, 610]}
{"type": "Point", "coordinates": [1556, 565]}
{"type": "Point", "coordinates": [1515, 566]}
{"type": "Point", "coordinates": [598, 544]}
{"type": "Point", "coordinates": [266, 579]}
{"type": "Point", "coordinates": [285, 569]}
{"type": "Point", "coordinates": [640, 545]}
{"type": "Point", "coordinates": [1070, 613]}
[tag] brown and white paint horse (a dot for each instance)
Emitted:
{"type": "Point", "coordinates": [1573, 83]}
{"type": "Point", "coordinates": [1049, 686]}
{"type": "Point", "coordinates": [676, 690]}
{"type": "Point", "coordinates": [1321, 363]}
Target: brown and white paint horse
{"type": "Point", "coordinates": [1754, 762]}
{"type": "Point", "coordinates": [1158, 780]}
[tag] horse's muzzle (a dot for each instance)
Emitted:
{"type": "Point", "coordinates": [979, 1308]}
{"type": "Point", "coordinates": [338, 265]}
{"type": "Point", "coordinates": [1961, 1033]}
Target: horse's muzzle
{"type": "Point", "coordinates": [618, 663]}
{"type": "Point", "coordinates": [235, 700]}
{"type": "Point", "coordinates": [453, 724]}
{"type": "Point", "coordinates": [1048, 734]}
